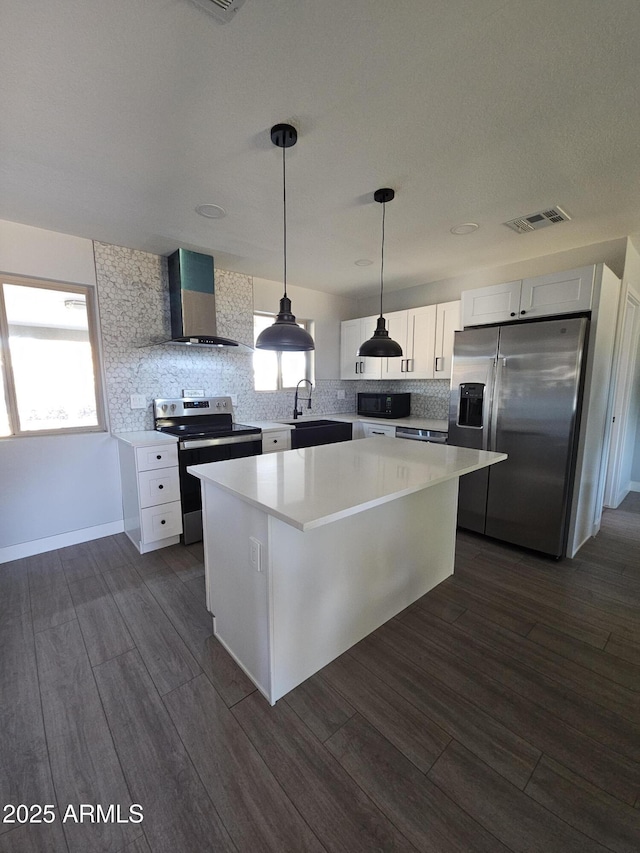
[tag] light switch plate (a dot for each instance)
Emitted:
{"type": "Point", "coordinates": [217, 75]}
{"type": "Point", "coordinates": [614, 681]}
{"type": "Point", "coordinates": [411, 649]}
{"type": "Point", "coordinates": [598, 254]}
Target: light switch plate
{"type": "Point", "coordinates": [255, 554]}
{"type": "Point", "coordinates": [138, 401]}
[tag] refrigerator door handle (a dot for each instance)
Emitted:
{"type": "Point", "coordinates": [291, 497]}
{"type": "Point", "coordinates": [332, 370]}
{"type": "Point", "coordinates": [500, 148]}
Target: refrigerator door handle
{"type": "Point", "coordinates": [496, 379]}
{"type": "Point", "coordinates": [490, 410]}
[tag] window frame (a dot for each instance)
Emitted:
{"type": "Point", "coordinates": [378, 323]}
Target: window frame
{"type": "Point", "coordinates": [309, 358]}
{"type": "Point", "coordinates": [89, 291]}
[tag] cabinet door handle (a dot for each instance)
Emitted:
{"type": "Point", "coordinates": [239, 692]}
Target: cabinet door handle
{"type": "Point", "coordinates": [159, 456]}
{"type": "Point", "coordinates": [513, 314]}
{"type": "Point", "coordinates": [409, 365]}
{"type": "Point", "coordinates": [402, 363]}
{"type": "Point", "coordinates": [374, 432]}
{"type": "Point", "coordinates": [362, 367]}
{"type": "Point", "coordinates": [161, 486]}
{"type": "Point", "coordinates": [439, 364]}
{"type": "Point", "coordinates": [523, 312]}
{"type": "Point", "coordinates": [163, 521]}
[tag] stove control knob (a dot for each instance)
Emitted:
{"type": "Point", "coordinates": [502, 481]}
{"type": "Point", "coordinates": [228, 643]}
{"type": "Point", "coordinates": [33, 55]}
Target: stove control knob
{"type": "Point", "coordinates": [218, 404]}
{"type": "Point", "coordinates": [173, 407]}
{"type": "Point", "coordinates": [224, 404]}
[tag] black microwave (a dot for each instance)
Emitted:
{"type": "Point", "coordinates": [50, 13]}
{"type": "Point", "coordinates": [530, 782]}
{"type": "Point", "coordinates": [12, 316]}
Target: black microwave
{"type": "Point", "coordinates": [377, 405]}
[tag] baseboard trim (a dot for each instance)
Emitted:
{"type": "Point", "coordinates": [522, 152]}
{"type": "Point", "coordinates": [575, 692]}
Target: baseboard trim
{"type": "Point", "coordinates": [51, 543]}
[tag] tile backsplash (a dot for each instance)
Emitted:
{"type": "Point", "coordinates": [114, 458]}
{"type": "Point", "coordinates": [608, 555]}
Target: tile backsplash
{"type": "Point", "coordinates": [134, 310]}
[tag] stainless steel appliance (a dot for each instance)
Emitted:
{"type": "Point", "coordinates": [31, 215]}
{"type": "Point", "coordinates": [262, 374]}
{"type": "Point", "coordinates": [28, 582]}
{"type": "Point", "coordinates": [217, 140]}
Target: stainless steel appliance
{"type": "Point", "coordinates": [206, 433]}
{"type": "Point", "coordinates": [379, 405]}
{"type": "Point", "coordinates": [435, 436]}
{"type": "Point", "coordinates": [517, 389]}
{"type": "Point", "coordinates": [193, 302]}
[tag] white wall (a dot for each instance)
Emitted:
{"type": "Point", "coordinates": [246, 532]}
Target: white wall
{"type": "Point", "coordinates": [612, 253]}
{"type": "Point", "coordinates": [325, 309]}
{"type": "Point", "coordinates": [56, 489]}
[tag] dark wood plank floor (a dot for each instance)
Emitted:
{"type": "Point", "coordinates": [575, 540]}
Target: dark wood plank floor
{"type": "Point", "coordinates": [501, 712]}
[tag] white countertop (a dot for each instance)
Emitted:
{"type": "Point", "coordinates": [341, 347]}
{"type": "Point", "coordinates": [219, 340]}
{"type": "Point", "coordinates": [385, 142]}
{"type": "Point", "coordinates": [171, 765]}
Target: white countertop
{"type": "Point", "coordinates": [144, 437]}
{"type": "Point", "coordinates": [313, 486]}
{"type": "Point", "coordinates": [440, 424]}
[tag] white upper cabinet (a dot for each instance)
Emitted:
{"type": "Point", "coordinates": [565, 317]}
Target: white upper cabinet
{"type": "Point", "coordinates": [448, 321]}
{"type": "Point", "coordinates": [353, 333]}
{"type": "Point", "coordinates": [498, 303]}
{"type": "Point", "coordinates": [558, 293]}
{"type": "Point", "coordinates": [425, 335]}
{"type": "Point", "coordinates": [543, 296]}
{"type": "Point", "coordinates": [397, 326]}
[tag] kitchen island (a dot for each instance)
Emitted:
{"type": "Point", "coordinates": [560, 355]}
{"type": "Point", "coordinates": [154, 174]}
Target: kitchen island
{"type": "Point", "coordinates": [308, 551]}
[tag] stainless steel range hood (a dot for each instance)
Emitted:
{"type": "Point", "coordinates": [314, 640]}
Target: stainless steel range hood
{"type": "Point", "coordinates": [193, 301]}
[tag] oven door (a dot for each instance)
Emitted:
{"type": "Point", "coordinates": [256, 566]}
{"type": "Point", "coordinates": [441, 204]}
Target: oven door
{"type": "Point", "coordinates": [190, 494]}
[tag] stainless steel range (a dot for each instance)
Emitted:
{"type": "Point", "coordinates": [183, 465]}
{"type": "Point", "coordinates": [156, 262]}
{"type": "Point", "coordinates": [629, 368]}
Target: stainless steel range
{"type": "Point", "coordinates": [206, 433]}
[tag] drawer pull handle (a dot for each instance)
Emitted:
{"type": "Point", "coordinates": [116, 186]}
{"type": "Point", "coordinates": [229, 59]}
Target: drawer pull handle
{"type": "Point", "coordinates": [275, 440]}
{"type": "Point", "coordinates": [161, 486]}
{"type": "Point", "coordinates": [159, 456]}
{"type": "Point", "coordinates": [163, 521]}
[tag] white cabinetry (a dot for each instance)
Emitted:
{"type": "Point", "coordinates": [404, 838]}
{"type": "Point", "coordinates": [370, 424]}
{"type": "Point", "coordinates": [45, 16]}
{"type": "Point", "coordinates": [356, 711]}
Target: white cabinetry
{"type": "Point", "coordinates": [276, 440]}
{"type": "Point", "coordinates": [370, 429]}
{"type": "Point", "coordinates": [427, 342]}
{"type": "Point", "coordinates": [543, 296]}
{"type": "Point", "coordinates": [150, 493]}
{"type": "Point", "coordinates": [425, 335]}
{"type": "Point", "coordinates": [352, 334]}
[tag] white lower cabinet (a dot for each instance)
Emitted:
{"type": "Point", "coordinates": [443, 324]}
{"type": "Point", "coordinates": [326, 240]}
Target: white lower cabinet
{"type": "Point", "coordinates": [370, 429]}
{"type": "Point", "coordinates": [276, 440]}
{"type": "Point", "coordinates": [150, 494]}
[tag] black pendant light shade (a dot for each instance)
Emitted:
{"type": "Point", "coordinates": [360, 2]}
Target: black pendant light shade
{"type": "Point", "coordinates": [381, 345]}
{"type": "Point", "coordinates": [285, 335]}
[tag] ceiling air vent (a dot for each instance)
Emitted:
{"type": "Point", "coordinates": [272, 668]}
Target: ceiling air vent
{"type": "Point", "coordinates": [535, 221]}
{"type": "Point", "coordinates": [222, 10]}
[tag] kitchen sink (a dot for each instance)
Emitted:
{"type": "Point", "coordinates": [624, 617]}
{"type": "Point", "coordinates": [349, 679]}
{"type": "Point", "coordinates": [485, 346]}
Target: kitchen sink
{"type": "Point", "coordinates": [321, 431]}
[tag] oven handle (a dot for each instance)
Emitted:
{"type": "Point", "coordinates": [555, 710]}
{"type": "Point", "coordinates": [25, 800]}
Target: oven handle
{"type": "Point", "coordinates": [185, 444]}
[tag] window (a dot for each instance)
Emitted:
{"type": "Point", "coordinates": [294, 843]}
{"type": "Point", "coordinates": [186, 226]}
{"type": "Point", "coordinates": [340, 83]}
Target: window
{"type": "Point", "coordinates": [48, 358]}
{"type": "Point", "coordinates": [274, 371]}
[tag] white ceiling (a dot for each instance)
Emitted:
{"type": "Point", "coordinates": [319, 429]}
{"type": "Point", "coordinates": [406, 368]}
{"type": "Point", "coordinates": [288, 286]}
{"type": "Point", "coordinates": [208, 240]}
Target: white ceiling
{"type": "Point", "coordinates": [118, 118]}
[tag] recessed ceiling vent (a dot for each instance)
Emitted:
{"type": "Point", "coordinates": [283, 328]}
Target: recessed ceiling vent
{"type": "Point", "coordinates": [535, 221]}
{"type": "Point", "coordinates": [222, 10]}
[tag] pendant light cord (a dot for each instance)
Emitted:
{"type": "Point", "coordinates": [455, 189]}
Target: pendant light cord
{"type": "Point", "coordinates": [284, 217]}
{"type": "Point", "coordinates": [382, 257]}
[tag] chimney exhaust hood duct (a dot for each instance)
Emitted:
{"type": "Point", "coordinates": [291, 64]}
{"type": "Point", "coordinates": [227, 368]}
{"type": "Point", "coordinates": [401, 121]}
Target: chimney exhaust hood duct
{"type": "Point", "coordinates": [193, 302]}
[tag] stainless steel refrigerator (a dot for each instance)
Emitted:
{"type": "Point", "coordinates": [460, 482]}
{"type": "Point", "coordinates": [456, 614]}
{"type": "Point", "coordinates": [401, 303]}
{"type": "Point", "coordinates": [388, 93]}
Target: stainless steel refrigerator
{"type": "Point", "coordinates": [517, 389]}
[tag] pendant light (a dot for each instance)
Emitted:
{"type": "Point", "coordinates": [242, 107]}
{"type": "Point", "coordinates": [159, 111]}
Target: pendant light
{"type": "Point", "coordinates": [381, 345]}
{"type": "Point", "coordinates": [285, 334]}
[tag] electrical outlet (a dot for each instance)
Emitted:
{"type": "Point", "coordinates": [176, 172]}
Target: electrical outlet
{"type": "Point", "coordinates": [255, 554]}
{"type": "Point", "coordinates": [138, 401]}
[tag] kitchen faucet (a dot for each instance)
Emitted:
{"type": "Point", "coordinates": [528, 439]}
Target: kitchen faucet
{"type": "Point", "coordinates": [297, 412]}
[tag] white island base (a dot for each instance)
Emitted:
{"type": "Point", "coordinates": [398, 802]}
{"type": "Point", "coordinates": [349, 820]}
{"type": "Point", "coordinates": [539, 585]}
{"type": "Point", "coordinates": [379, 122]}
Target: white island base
{"type": "Point", "coordinates": [293, 585]}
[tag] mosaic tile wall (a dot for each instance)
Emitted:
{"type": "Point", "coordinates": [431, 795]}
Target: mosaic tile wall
{"type": "Point", "coordinates": [134, 310]}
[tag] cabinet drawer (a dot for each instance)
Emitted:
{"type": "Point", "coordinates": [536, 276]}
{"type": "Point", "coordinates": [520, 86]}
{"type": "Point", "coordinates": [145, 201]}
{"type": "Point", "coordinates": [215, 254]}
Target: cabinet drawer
{"type": "Point", "coordinates": [378, 429]}
{"type": "Point", "coordinates": [160, 522]}
{"type": "Point", "coordinates": [276, 441]}
{"type": "Point", "coordinates": [156, 456]}
{"type": "Point", "coordinates": [159, 487]}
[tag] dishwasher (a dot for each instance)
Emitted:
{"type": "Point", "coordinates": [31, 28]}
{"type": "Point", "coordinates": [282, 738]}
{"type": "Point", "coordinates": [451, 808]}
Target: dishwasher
{"type": "Point", "coordinates": [435, 436]}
